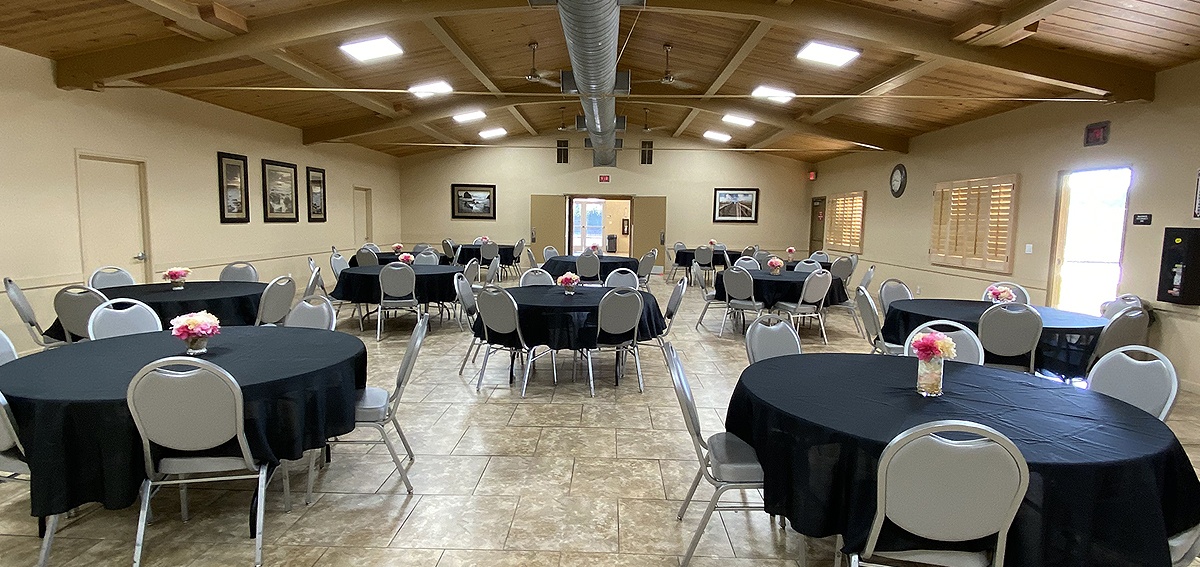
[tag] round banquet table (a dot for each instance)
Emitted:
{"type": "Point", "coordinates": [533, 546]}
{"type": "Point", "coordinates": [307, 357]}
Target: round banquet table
{"type": "Point", "coordinates": [786, 287]}
{"type": "Point", "coordinates": [1109, 483]}
{"type": "Point", "coordinates": [299, 387]}
{"type": "Point", "coordinates": [434, 284]}
{"type": "Point", "coordinates": [234, 303]}
{"type": "Point", "coordinates": [686, 256]}
{"type": "Point", "coordinates": [389, 257]}
{"type": "Point", "coordinates": [1068, 338]}
{"type": "Point", "coordinates": [471, 252]}
{"type": "Point", "coordinates": [559, 265]}
{"type": "Point", "coordinates": [550, 317]}
{"type": "Point", "coordinates": [791, 264]}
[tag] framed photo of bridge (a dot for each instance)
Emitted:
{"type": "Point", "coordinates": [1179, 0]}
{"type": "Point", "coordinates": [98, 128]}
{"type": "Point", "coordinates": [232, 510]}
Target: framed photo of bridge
{"type": "Point", "coordinates": [735, 205]}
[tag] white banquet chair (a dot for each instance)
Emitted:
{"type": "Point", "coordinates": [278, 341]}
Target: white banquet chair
{"type": "Point", "coordinates": [807, 265]}
{"type": "Point", "coordinates": [25, 311]}
{"type": "Point", "coordinates": [967, 347]}
{"type": "Point", "coordinates": [646, 268]}
{"type": "Point", "coordinates": [427, 257]}
{"type": "Point", "coordinates": [397, 284]}
{"type": "Point", "coordinates": [14, 468]}
{"type": "Point", "coordinates": [673, 304]}
{"type": "Point", "coordinates": [747, 263]}
{"type": "Point", "coordinates": [891, 290]}
{"type": "Point", "coordinates": [372, 247]}
{"type": "Point", "coordinates": [366, 257]}
{"type": "Point", "coordinates": [770, 336]}
{"type": "Point", "coordinates": [74, 305]}
{"type": "Point", "coordinates": [122, 316]}
{"type": "Point", "coordinates": [1109, 309]}
{"type": "Point", "coordinates": [739, 294]}
{"type": "Point", "coordinates": [622, 277]}
{"type": "Point", "coordinates": [312, 312]}
{"type": "Point", "coordinates": [8, 352]}
{"type": "Point", "coordinates": [276, 301]}
{"type": "Point", "coordinates": [502, 331]}
{"type": "Point", "coordinates": [240, 272]}
{"type": "Point", "coordinates": [619, 316]}
{"type": "Point", "coordinates": [871, 326]}
{"type": "Point", "coordinates": [536, 276]}
{"type": "Point", "coordinates": [819, 256]}
{"type": "Point", "coordinates": [709, 296]}
{"type": "Point", "coordinates": [812, 300]}
{"type": "Point", "coordinates": [1011, 329]}
{"type": "Point", "coordinates": [548, 253]}
{"type": "Point", "coordinates": [587, 267]}
{"type": "Point", "coordinates": [110, 276]}
{"type": "Point", "coordinates": [1150, 385]}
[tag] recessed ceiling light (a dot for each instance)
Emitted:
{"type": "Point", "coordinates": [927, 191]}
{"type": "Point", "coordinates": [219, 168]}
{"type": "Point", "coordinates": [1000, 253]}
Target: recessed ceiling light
{"type": "Point", "coordinates": [425, 90]}
{"type": "Point", "coordinates": [740, 121]}
{"type": "Point", "coordinates": [718, 136]}
{"type": "Point", "coordinates": [469, 116]}
{"type": "Point", "coordinates": [827, 54]}
{"type": "Point", "coordinates": [369, 49]}
{"type": "Point", "coordinates": [773, 94]}
{"type": "Point", "coordinates": [493, 133]}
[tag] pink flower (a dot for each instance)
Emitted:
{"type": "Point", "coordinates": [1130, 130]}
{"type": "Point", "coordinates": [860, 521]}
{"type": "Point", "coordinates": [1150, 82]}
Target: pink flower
{"type": "Point", "coordinates": [774, 262]}
{"type": "Point", "coordinates": [1000, 293]}
{"type": "Point", "coordinates": [791, 249]}
{"type": "Point", "coordinates": [406, 258]}
{"type": "Point", "coordinates": [933, 345]}
{"type": "Point", "coordinates": [397, 247]}
{"type": "Point", "coordinates": [195, 325]}
{"type": "Point", "coordinates": [483, 239]}
{"type": "Point", "coordinates": [176, 273]}
{"type": "Point", "coordinates": [568, 279]}
{"type": "Point", "coordinates": [712, 242]}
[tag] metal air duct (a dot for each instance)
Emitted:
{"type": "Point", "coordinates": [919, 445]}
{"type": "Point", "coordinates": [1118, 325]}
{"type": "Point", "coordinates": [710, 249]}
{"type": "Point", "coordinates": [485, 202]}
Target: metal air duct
{"type": "Point", "coordinates": [591, 27]}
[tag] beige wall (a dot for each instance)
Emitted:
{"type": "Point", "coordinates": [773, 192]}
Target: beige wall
{"type": "Point", "coordinates": [1156, 139]}
{"type": "Point", "coordinates": [686, 176]}
{"type": "Point", "coordinates": [178, 139]}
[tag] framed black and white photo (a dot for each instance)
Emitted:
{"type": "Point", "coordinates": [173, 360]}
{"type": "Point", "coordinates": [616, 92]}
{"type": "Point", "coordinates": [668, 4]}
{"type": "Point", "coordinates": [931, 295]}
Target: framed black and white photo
{"type": "Point", "coordinates": [472, 201]}
{"type": "Point", "coordinates": [316, 194]}
{"type": "Point", "coordinates": [735, 205]}
{"type": "Point", "coordinates": [231, 186]}
{"type": "Point", "coordinates": [279, 191]}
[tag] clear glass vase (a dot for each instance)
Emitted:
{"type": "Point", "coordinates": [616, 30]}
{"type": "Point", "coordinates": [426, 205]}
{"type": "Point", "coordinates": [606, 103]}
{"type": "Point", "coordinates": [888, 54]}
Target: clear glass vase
{"type": "Point", "coordinates": [569, 289]}
{"type": "Point", "coordinates": [177, 284]}
{"type": "Point", "coordinates": [929, 377]}
{"type": "Point", "coordinates": [196, 346]}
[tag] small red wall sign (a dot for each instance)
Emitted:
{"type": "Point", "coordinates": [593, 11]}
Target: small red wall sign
{"type": "Point", "coordinates": [604, 179]}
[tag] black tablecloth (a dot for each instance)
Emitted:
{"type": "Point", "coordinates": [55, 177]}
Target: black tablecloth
{"type": "Point", "coordinates": [471, 252]}
{"type": "Point", "coordinates": [1068, 338]}
{"type": "Point", "coordinates": [786, 286]}
{"type": "Point", "coordinates": [686, 256]}
{"type": "Point", "coordinates": [1108, 482]}
{"type": "Point", "coordinates": [791, 264]}
{"type": "Point", "coordinates": [434, 284]}
{"type": "Point", "coordinates": [389, 257]}
{"type": "Point", "coordinates": [234, 303]}
{"type": "Point", "coordinates": [299, 387]}
{"type": "Point", "coordinates": [550, 317]}
{"type": "Point", "coordinates": [559, 265]}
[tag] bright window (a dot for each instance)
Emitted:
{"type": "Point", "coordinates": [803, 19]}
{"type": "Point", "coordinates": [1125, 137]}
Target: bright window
{"type": "Point", "coordinates": [973, 223]}
{"type": "Point", "coordinates": [844, 227]}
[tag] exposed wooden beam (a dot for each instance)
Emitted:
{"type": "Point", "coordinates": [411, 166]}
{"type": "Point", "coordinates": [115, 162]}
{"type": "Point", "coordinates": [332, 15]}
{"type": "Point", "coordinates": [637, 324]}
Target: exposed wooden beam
{"type": "Point", "coordinates": [516, 112]}
{"type": "Point", "coordinates": [1018, 22]}
{"type": "Point", "coordinates": [125, 62]}
{"type": "Point", "coordinates": [452, 43]}
{"type": "Point", "coordinates": [357, 127]}
{"type": "Point", "coordinates": [886, 82]}
{"type": "Point", "coordinates": [770, 139]}
{"type": "Point", "coordinates": [315, 75]}
{"type": "Point", "coordinates": [224, 18]}
{"type": "Point", "coordinates": [749, 41]}
{"type": "Point", "coordinates": [438, 134]}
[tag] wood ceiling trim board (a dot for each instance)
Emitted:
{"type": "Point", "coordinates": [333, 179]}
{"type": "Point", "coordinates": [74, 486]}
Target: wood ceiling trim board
{"type": "Point", "coordinates": [1117, 26]}
{"type": "Point", "coordinates": [524, 122]}
{"type": "Point", "coordinates": [746, 46]}
{"type": "Point", "coordinates": [437, 134]}
{"type": "Point", "coordinates": [1014, 21]}
{"type": "Point", "coordinates": [892, 80]}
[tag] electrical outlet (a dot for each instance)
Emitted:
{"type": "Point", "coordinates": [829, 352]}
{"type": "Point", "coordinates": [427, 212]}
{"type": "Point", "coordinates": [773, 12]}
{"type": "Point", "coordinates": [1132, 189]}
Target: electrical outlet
{"type": "Point", "coordinates": [918, 292]}
{"type": "Point", "coordinates": [1029, 249]}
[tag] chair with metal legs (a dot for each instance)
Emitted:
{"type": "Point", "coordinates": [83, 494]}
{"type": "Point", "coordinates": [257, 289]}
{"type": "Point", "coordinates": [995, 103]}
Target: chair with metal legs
{"type": "Point", "coordinates": [502, 331]}
{"type": "Point", "coordinates": [14, 468]}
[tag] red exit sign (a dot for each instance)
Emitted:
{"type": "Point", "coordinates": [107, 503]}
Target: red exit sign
{"type": "Point", "coordinates": [604, 179]}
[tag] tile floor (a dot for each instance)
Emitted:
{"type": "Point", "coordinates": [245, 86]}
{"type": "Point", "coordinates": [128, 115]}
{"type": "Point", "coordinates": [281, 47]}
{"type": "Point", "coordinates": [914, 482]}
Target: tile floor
{"type": "Point", "coordinates": [555, 479]}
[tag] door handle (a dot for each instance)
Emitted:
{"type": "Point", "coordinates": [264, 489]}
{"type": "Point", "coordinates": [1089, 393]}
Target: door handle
{"type": "Point", "coordinates": [141, 257]}
{"type": "Point", "coordinates": [662, 237]}
{"type": "Point", "coordinates": [532, 234]}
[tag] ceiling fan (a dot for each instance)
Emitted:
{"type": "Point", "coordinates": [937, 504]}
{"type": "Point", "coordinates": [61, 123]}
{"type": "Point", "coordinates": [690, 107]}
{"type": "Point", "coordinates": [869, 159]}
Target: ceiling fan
{"type": "Point", "coordinates": [562, 119]}
{"type": "Point", "coordinates": [669, 78]}
{"type": "Point", "coordinates": [534, 75]}
{"type": "Point", "coordinates": [646, 122]}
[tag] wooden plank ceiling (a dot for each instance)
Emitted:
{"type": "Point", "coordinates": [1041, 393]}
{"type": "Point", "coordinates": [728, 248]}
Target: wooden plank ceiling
{"type": "Point", "coordinates": [988, 49]}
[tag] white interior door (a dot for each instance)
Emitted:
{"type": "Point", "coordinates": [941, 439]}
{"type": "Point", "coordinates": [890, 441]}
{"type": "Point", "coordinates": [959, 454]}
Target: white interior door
{"type": "Point", "coordinates": [362, 215]}
{"type": "Point", "coordinates": [110, 215]}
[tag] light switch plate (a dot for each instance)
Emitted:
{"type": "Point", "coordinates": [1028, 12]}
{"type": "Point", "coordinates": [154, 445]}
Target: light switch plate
{"type": "Point", "coordinates": [1029, 249]}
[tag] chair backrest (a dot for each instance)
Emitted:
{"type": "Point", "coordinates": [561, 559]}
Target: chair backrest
{"type": "Point", "coordinates": [1010, 329]}
{"type": "Point", "coordinates": [536, 276]}
{"type": "Point", "coordinates": [1129, 327]}
{"type": "Point", "coordinates": [869, 314]}
{"type": "Point", "coordinates": [518, 249]}
{"type": "Point", "coordinates": [675, 301]}
{"type": "Point", "coordinates": [186, 404]}
{"type": "Point", "coordinates": [749, 251]}
{"type": "Point", "coordinates": [23, 307]}
{"type": "Point", "coordinates": [366, 257]}
{"type": "Point", "coordinates": [807, 265]}
{"type": "Point", "coordinates": [419, 248]}
{"type": "Point", "coordinates": [646, 264]}
{"type": "Point", "coordinates": [404, 373]}
{"type": "Point", "coordinates": [110, 276]}
{"type": "Point", "coordinates": [120, 317]}
{"type": "Point", "coordinates": [770, 336]}
{"type": "Point", "coordinates": [498, 310]}
{"type": "Point", "coordinates": [314, 283]}
{"type": "Point", "coordinates": [312, 312]}
{"type": "Point", "coordinates": [8, 430]}
{"type": "Point", "coordinates": [842, 268]}
{"type": "Point", "coordinates": [867, 277]}
{"type": "Point", "coordinates": [620, 311]}
{"type": "Point", "coordinates": [533, 263]}
{"type": "Point", "coordinates": [74, 305]}
{"type": "Point", "coordinates": [967, 347]}
{"type": "Point", "coordinates": [466, 295]}
{"type": "Point", "coordinates": [1109, 309]}
{"type": "Point", "coordinates": [448, 247]}
{"type": "Point", "coordinates": [372, 247]}
{"type": "Point", "coordinates": [588, 266]}
{"type": "Point", "coordinates": [687, 403]}
{"type": "Point", "coordinates": [739, 284]}
{"type": "Point", "coordinates": [762, 256]}
{"type": "Point", "coordinates": [276, 301]}
{"type": "Point", "coordinates": [471, 270]}
{"type": "Point", "coordinates": [819, 255]}
{"type": "Point", "coordinates": [337, 263]}
{"type": "Point", "coordinates": [428, 257]}
{"type": "Point", "coordinates": [678, 246]}
{"type": "Point", "coordinates": [698, 277]}
{"type": "Point", "coordinates": [397, 280]}
{"type": "Point", "coordinates": [704, 255]}
{"type": "Point", "coordinates": [1021, 295]}
{"type": "Point", "coordinates": [548, 253]}
{"type": "Point", "coordinates": [981, 483]}
{"type": "Point", "coordinates": [493, 270]}
{"type": "Point", "coordinates": [489, 250]}
{"type": "Point", "coordinates": [816, 287]}
{"type": "Point", "coordinates": [622, 277]}
{"type": "Point", "coordinates": [1147, 384]}
{"type": "Point", "coordinates": [748, 263]}
{"type": "Point", "coordinates": [853, 262]}
{"type": "Point", "coordinates": [8, 352]}
{"type": "Point", "coordinates": [244, 272]}
{"type": "Point", "coordinates": [720, 247]}
{"type": "Point", "coordinates": [478, 240]}
{"type": "Point", "coordinates": [891, 290]}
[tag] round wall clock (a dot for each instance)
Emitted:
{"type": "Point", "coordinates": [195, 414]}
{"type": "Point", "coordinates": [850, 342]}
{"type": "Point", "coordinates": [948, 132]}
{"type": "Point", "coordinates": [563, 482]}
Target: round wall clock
{"type": "Point", "coordinates": [899, 180]}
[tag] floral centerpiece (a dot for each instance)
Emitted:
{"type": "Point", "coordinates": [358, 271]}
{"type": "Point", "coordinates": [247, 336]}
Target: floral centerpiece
{"type": "Point", "coordinates": [195, 330]}
{"type": "Point", "coordinates": [406, 258]}
{"type": "Point", "coordinates": [775, 264]}
{"type": "Point", "coordinates": [595, 248]}
{"type": "Point", "coordinates": [931, 350]}
{"type": "Point", "coordinates": [791, 252]}
{"type": "Point", "coordinates": [397, 247]}
{"type": "Point", "coordinates": [712, 242]}
{"type": "Point", "coordinates": [1000, 294]}
{"type": "Point", "coordinates": [568, 281]}
{"type": "Point", "coordinates": [176, 276]}
{"type": "Point", "coordinates": [483, 239]}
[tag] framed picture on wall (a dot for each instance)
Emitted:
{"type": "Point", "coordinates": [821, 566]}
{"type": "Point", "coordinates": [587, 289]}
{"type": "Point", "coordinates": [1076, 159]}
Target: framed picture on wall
{"type": "Point", "coordinates": [735, 205]}
{"type": "Point", "coordinates": [231, 186]}
{"type": "Point", "coordinates": [316, 194]}
{"type": "Point", "coordinates": [472, 201]}
{"type": "Point", "coordinates": [279, 191]}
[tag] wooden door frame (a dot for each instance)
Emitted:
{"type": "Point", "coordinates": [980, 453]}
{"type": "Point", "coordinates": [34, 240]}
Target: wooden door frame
{"type": "Point", "coordinates": [1058, 233]}
{"type": "Point", "coordinates": [370, 228]}
{"type": "Point", "coordinates": [570, 199]}
{"type": "Point", "coordinates": [143, 204]}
